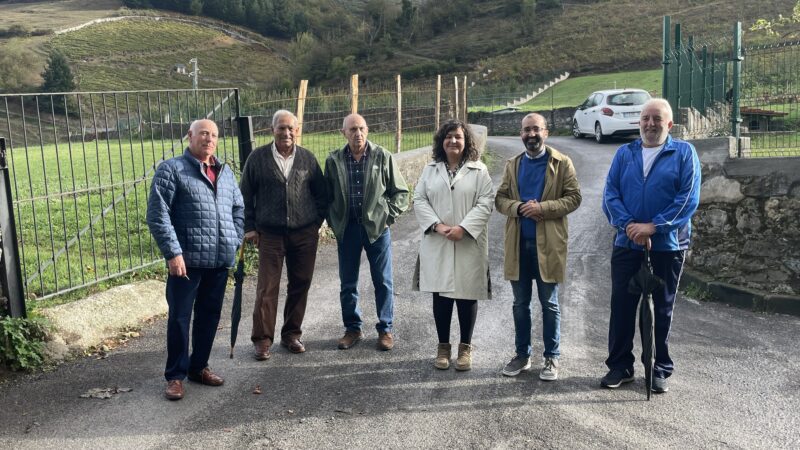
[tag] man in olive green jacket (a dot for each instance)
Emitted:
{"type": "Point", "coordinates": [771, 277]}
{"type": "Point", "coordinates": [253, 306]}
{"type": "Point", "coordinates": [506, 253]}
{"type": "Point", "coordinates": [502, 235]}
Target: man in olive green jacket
{"type": "Point", "coordinates": [538, 190]}
{"type": "Point", "coordinates": [367, 193]}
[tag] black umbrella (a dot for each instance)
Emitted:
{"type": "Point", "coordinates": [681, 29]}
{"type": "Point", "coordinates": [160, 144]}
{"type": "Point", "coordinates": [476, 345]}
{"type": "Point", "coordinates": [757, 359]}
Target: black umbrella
{"type": "Point", "coordinates": [236, 309]}
{"type": "Point", "coordinates": [644, 283]}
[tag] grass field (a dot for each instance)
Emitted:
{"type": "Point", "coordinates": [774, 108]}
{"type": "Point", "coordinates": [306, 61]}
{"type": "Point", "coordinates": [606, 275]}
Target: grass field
{"type": "Point", "coordinates": [573, 91]}
{"type": "Point", "coordinates": [141, 54]}
{"type": "Point", "coordinates": [80, 207]}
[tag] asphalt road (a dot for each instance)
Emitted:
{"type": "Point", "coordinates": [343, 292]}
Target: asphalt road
{"type": "Point", "coordinates": [735, 384]}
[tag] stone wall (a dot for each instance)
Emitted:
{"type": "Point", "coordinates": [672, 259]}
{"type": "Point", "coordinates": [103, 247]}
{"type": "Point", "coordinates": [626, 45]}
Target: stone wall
{"type": "Point", "coordinates": [508, 123]}
{"type": "Point", "coordinates": [746, 231]}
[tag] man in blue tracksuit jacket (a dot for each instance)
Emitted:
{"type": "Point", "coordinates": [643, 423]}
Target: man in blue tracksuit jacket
{"type": "Point", "coordinates": [652, 191]}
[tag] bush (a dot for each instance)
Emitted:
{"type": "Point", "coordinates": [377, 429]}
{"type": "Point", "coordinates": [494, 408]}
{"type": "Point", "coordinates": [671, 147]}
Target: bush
{"type": "Point", "coordinates": [15, 30]}
{"type": "Point", "coordinates": [22, 343]}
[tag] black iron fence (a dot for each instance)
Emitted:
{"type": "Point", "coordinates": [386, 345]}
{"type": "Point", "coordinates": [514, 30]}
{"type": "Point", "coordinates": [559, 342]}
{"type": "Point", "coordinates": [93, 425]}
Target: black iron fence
{"type": "Point", "coordinates": [80, 166]}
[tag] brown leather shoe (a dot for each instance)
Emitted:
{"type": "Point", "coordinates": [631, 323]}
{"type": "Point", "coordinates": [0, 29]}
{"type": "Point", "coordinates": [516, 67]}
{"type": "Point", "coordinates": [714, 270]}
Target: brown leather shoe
{"type": "Point", "coordinates": [385, 341]}
{"type": "Point", "coordinates": [174, 390]}
{"type": "Point", "coordinates": [350, 339]}
{"type": "Point", "coordinates": [294, 345]}
{"type": "Point", "coordinates": [206, 377]}
{"type": "Point", "coordinates": [262, 352]}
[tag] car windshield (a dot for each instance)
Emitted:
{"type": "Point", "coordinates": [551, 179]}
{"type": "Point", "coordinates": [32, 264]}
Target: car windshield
{"type": "Point", "coordinates": [628, 98]}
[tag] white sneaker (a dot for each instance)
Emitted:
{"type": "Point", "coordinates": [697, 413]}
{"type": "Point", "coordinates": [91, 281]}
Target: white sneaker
{"type": "Point", "coordinates": [550, 370]}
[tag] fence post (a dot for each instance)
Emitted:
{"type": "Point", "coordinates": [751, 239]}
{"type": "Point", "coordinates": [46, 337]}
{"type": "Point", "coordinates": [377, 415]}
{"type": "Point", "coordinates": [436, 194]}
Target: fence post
{"type": "Point", "coordinates": [678, 57]}
{"type": "Point", "coordinates": [704, 93]}
{"type": "Point", "coordinates": [354, 94]}
{"type": "Point", "coordinates": [465, 117]}
{"type": "Point", "coordinates": [491, 118]}
{"type": "Point", "coordinates": [12, 287]}
{"type": "Point", "coordinates": [399, 134]}
{"type": "Point", "coordinates": [666, 62]}
{"type": "Point", "coordinates": [245, 127]}
{"type": "Point", "coordinates": [690, 56]}
{"type": "Point", "coordinates": [552, 106]}
{"type": "Point", "coordinates": [438, 107]}
{"type": "Point", "coordinates": [455, 79]}
{"type": "Point", "coordinates": [301, 108]}
{"type": "Point", "coordinates": [736, 117]}
{"type": "Point", "coordinates": [715, 95]}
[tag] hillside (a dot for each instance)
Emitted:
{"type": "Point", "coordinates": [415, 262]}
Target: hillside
{"type": "Point", "coordinates": [625, 34]}
{"type": "Point", "coordinates": [140, 52]}
{"type": "Point", "coordinates": [376, 38]}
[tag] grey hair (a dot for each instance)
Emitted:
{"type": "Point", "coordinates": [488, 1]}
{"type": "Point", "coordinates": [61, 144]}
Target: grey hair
{"type": "Point", "coordinates": [663, 104]}
{"type": "Point", "coordinates": [280, 113]}
{"type": "Point", "coordinates": [196, 123]}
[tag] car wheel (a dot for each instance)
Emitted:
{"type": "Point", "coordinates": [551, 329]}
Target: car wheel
{"type": "Point", "coordinates": [598, 133]}
{"type": "Point", "coordinates": [576, 133]}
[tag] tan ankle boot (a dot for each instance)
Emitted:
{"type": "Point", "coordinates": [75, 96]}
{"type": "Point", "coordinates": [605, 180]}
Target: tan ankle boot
{"type": "Point", "coordinates": [464, 361]}
{"type": "Point", "coordinates": [442, 357]}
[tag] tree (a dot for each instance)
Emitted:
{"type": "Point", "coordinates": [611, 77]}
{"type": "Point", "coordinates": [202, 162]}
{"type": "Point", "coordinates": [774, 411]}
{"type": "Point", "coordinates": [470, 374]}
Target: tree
{"type": "Point", "coordinates": [57, 74]}
{"type": "Point", "coordinates": [770, 26]}
{"type": "Point", "coordinates": [406, 21]}
{"type": "Point", "coordinates": [195, 7]}
{"type": "Point", "coordinates": [527, 16]}
{"type": "Point", "coordinates": [15, 74]}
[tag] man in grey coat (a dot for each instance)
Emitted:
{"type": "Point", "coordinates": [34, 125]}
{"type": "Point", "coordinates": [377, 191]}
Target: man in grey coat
{"type": "Point", "coordinates": [196, 216]}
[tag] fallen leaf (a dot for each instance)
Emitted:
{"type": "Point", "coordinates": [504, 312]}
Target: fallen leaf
{"type": "Point", "coordinates": [257, 390]}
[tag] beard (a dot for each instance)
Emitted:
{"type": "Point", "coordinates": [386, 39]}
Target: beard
{"type": "Point", "coordinates": [534, 144]}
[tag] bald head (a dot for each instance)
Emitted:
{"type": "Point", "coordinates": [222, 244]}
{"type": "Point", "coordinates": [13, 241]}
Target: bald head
{"type": "Point", "coordinates": [355, 129]}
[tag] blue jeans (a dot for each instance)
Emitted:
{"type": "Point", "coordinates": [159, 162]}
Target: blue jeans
{"type": "Point", "coordinates": [379, 255]}
{"type": "Point", "coordinates": [202, 293]}
{"type": "Point", "coordinates": [548, 297]}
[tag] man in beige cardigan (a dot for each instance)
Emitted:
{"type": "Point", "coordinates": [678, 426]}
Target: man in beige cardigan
{"type": "Point", "coordinates": [538, 190]}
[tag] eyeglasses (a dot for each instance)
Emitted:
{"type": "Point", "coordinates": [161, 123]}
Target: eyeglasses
{"type": "Point", "coordinates": [534, 128]}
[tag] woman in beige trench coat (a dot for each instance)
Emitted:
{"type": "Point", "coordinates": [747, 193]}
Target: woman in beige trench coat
{"type": "Point", "coordinates": [453, 200]}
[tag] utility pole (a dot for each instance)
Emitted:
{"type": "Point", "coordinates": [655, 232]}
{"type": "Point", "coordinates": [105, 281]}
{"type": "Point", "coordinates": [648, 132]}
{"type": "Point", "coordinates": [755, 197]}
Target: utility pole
{"type": "Point", "coordinates": [194, 73]}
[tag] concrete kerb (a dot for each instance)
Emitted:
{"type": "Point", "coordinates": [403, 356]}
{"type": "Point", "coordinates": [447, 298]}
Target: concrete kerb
{"type": "Point", "coordinates": [738, 296]}
{"type": "Point", "coordinates": [83, 323]}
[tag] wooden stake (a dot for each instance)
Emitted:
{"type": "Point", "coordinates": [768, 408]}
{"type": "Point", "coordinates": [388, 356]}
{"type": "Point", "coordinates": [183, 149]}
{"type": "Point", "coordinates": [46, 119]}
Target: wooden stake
{"type": "Point", "coordinates": [301, 108]}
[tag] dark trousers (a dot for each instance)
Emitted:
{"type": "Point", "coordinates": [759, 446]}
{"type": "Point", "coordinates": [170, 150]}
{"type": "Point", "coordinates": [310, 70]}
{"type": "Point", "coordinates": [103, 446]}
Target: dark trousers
{"type": "Point", "coordinates": [622, 325]}
{"type": "Point", "coordinates": [443, 314]}
{"type": "Point", "coordinates": [203, 292]}
{"type": "Point", "coordinates": [299, 249]}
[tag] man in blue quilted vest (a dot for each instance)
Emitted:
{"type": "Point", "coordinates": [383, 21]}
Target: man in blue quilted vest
{"type": "Point", "coordinates": [196, 215]}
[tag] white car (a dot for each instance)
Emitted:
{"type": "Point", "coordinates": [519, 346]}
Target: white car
{"type": "Point", "coordinates": [614, 112]}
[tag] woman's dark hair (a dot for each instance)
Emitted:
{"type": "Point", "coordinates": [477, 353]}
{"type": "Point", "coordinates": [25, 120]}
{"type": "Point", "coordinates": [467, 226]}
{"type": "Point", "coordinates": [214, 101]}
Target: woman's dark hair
{"type": "Point", "coordinates": [470, 152]}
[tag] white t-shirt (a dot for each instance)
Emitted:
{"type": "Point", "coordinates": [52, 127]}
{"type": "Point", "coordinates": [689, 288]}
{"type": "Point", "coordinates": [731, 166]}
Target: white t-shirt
{"type": "Point", "coordinates": [648, 156]}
